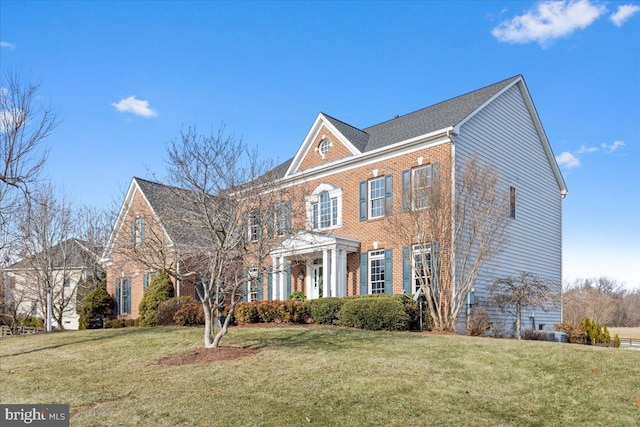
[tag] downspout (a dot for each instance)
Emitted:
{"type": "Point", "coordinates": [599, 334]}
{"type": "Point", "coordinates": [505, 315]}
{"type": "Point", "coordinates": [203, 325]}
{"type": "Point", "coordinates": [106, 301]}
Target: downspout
{"type": "Point", "coordinates": [178, 281]}
{"type": "Point", "coordinates": [452, 263]}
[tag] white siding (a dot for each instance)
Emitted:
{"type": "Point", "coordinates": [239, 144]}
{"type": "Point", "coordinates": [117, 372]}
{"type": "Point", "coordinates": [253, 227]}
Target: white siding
{"type": "Point", "coordinates": [503, 133]}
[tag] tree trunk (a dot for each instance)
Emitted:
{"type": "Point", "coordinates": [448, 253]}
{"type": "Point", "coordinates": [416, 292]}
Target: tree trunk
{"type": "Point", "coordinates": [518, 321]}
{"type": "Point", "coordinates": [208, 324]}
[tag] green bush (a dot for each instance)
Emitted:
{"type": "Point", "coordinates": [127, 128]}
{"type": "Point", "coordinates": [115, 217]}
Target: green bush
{"type": "Point", "coordinates": [33, 322]}
{"type": "Point", "coordinates": [96, 307]}
{"type": "Point", "coordinates": [374, 314]}
{"type": "Point", "coordinates": [324, 311]}
{"type": "Point", "coordinates": [191, 314]}
{"type": "Point", "coordinates": [267, 311]}
{"type": "Point", "coordinates": [115, 323]}
{"type": "Point", "coordinates": [166, 310]}
{"type": "Point", "coordinates": [131, 323]}
{"type": "Point", "coordinates": [160, 290]}
{"type": "Point", "coordinates": [245, 313]}
{"type": "Point", "coordinates": [576, 334]}
{"type": "Point", "coordinates": [300, 296]}
{"type": "Point", "coordinates": [292, 312]}
{"type": "Point", "coordinates": [616, 341]}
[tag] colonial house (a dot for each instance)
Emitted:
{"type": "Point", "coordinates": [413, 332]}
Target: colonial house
{"type": "Point", "coordinates": [356, 179]}
{"type": "Point", "coordinates": [64, 268]}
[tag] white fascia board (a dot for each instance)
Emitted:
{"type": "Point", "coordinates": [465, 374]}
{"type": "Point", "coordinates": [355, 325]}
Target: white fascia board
{"type": "Point", "coordinates": [124, 210]}
{"type": "Point", "coordinates": [311, 136]}
{"type": "Point", "coordinates": [457, 127]}
{"type": "Point", "coordinates": [537, 123]}
{"type": "Point", "coordinates": [432, 139]}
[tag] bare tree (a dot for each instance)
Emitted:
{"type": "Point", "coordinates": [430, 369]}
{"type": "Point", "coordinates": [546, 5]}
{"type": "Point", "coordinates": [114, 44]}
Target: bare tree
{"type": "Point", "coordinates": [24, 126]}
{"type": "Point", "coordinates": [45, 230]}
{"type": "Point", "coordinates": [226, 215]}
{"type": "Point", "coordinates": [452, 232]}
{"type": "Point", "coordinates": [525, 290]}
{"type": "Point", "coordinates": [601, 299]}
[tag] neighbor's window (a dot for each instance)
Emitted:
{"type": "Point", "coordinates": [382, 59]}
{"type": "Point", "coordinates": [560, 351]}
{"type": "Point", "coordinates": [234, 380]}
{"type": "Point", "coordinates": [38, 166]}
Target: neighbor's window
{"type": "Point", "coordinates": [376, 272]}
{"type": "Point", "coordinates": [123, 296]}
{"type": "Point", "coordinates": [512, 202]}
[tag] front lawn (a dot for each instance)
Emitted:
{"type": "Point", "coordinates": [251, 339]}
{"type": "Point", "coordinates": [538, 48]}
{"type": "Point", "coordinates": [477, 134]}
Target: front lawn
{"type": "Point", "coordinates": [321, 376]}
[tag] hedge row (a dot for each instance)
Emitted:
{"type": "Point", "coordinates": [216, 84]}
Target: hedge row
{"type": "Point", "coordinates": [375, 312]}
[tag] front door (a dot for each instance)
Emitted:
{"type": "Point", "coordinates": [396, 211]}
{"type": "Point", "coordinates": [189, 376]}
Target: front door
{"type": "Point", "coordinates": [316, 279]}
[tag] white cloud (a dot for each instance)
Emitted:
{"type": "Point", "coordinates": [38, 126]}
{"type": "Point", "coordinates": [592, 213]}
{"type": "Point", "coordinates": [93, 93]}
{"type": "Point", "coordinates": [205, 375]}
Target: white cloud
{"type": "Point", "coordinates": [568, 160]}
{"type": "Point", "coordinates": [7, 45]}
{"type": "Point", "coordinates": [135, 106]}
{"type": "Point", "coordinates": [623, 14]}
{"type": "Point", "coordinates": [548, 20]}
{"type": "Point", "coordinates": [584, 150]}
{"type": "Point", "coordinates": [610, 148]}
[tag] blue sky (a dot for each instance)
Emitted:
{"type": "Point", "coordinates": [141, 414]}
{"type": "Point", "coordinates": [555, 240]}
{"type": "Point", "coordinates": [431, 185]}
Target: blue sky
{"type": "Point", "coordinates": [126, 76]}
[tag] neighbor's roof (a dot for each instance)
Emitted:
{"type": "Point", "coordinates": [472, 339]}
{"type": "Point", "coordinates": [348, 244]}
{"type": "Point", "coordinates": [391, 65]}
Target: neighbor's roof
{"type": "Point", "coordinates": [71, 253]}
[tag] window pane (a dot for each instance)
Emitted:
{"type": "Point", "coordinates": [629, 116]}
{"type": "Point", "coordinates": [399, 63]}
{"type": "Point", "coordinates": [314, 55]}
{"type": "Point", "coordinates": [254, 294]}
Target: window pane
{"type": "Point", "coordinates": [376, 197]}
{"type": "Point", "coordinates": [376, 271]}
{"type": "Point", "coordinates": [421, 186]}
{"type": "Point", "coordinates": [334, 211]}
{"type": "Point", "coordinates": [325, 210]}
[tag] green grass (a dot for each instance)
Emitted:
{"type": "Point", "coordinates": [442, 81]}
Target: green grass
{"type": "Point", "coordinates": [321, 376]}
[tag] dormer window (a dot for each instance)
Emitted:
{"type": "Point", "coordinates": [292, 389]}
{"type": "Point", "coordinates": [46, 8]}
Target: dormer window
{"type": "Point", "coordinates": [323, 147]}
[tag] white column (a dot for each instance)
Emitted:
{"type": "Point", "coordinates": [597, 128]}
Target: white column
{"type": "Point", "coordinates": [342, 273]}
{"type": "Point", "coordinates": [325, 275]}
{"type": "Point", "coordinates": [334, 273]}
{"type": "Point", "coordinates": [274, 278]}
{"type": "Point", "coordinates": [282, 280]}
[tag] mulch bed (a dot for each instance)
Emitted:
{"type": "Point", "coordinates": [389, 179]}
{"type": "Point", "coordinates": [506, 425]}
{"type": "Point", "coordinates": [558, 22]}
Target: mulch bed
{"type": "Point", "coordinates": [206, 355]}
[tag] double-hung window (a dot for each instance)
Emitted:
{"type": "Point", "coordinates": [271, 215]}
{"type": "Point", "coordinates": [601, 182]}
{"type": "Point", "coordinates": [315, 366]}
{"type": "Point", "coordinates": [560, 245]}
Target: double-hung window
{"type": "Point", "coordinates": [422, 266]}
{"type": "Point", "coordinates": [254, 226]}
{"type": "Point", "coordinates": [137, 230]}
{"type": "Point", "coordinates": [376, 197]}
{"type": "Point", "coordinates": [376, 272]}
{"type": "Point", "coordinates": [420, 186]}
{"type": "Point", "coordinates": [123, 296]}
{"type": "Point", "coordinates": [252, 285]}
{"type": "Point", "coordinates": [512, 202]}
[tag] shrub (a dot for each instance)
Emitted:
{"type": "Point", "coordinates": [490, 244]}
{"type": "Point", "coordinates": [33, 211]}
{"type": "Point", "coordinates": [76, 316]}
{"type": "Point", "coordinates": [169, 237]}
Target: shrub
{"type": "Point", "coordinates": [616, 341]}
{"type": "Point", "coordinates": [300, 296]}
{"type": "Point", "coordinates": [166, 310]}
{"type": "Point", "coordinates": [268, 311]}
{"type": "Point", "coordinates": [130, 323]}
{"type": "Point", "coordinates": [189, 315]}
{"type": "Point", "coordinates": [33, 322]}
{"type": "Point", "coordinates": [576, 334]}
{"type": "Point", "coordinates": [115, 323]}
{"type": "Point", "coordinates": [374, 314]}
{"type": "Point", "coordinates": [532, 334]}
{"type": "Point", "coordinates": [96, 307]}
{"type": "Point", "coordinates": [324, 311]}
{"type": "Point", "coordinates": [246, 312]}
{"type": "Point", "coordinates": [479, 322]}
{"type": "Point", "coordinates": [160, 289]}
{"type": "Point", "coordinates": [292, 312]}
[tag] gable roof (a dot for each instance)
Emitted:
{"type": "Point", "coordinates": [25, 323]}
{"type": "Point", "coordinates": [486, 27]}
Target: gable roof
{"type": "Point", "coordinates": [167, 205]}
{"type": "Point", "coordinates": [441, 116]}
{"type": "Point", "coordinates": [70, 254]}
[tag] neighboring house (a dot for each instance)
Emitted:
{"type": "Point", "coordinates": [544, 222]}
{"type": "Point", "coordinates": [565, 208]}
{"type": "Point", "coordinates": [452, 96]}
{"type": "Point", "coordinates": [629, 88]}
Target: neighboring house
{"type": "Point", "coordinates": [354, 178]}
{"type": "Point", "coordinates": [67, 265]}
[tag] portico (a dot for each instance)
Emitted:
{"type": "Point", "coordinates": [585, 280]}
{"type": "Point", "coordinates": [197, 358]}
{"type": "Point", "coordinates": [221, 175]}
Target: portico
{"type": "Point", "coordinates": [325, 257]}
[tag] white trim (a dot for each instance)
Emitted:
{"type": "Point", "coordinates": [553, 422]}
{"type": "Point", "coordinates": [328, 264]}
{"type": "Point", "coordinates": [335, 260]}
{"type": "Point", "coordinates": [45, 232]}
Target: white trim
{"type": "Point", "coordinates": [124, 211]}
{"type": "Point", "coordinates": [313, 133]}
{"type": "Point", "coordinates": [546, 145]}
